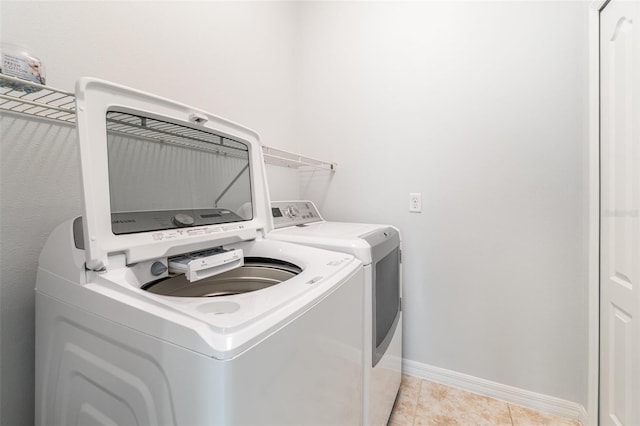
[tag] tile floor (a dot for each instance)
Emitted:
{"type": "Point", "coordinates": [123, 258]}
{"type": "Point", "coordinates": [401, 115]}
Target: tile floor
{"type": "Point", "coordinates": [421, 402]}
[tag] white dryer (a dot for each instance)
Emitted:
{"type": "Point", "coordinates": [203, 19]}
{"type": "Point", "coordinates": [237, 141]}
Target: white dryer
{"type": "Point", "coordinates": [166, 305]}
{"type": "Point", "coordinates": [379, 248]}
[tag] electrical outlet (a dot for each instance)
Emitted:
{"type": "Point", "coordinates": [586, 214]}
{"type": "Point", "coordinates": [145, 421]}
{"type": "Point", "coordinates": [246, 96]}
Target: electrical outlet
{"type": "Point", "coordinates": [415, 202]}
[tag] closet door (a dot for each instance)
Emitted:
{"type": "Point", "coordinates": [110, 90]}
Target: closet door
{"type": "Point", "coordinates": [620, 213]}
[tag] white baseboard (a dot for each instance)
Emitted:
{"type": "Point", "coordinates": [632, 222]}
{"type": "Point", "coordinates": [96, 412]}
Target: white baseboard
{"type": "Point", "coordinates": [510, 394]}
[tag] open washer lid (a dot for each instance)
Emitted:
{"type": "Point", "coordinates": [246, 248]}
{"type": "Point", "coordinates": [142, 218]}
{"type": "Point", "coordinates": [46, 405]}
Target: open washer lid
{"type": "Point", "coordinates": [161, 178]}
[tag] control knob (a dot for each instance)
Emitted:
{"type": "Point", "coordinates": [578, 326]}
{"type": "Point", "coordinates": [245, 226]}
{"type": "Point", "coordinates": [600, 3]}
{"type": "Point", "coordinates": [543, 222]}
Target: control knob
{"type": "Point", "coordinates": [182, 219]}
{"type": "Point", "coordinates": [291, 212]}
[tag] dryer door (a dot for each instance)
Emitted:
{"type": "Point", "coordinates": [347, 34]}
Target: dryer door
{"type": "Point", "coordinates": [386, 288]}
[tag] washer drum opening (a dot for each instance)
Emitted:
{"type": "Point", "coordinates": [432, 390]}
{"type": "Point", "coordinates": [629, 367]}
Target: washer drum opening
{"type": "Point", "coordinates": [256, 274]}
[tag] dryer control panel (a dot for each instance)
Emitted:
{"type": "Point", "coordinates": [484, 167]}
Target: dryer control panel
{"type": "Point", "coordinates": [293, 213]}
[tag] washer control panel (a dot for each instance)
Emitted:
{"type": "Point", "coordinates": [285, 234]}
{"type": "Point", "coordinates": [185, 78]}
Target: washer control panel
{"type": "Point", "coordinates": [293, 213]}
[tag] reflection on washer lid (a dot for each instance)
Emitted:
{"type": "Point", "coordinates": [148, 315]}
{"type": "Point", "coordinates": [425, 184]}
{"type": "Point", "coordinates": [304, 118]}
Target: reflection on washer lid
{"type": "Point", "coordinates": [162, 183]}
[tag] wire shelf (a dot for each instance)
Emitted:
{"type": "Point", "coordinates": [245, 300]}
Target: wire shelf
{"type": "Point", "coordinates": [279, 157]}
{"type": "Point", "coordinates": [37, 100]}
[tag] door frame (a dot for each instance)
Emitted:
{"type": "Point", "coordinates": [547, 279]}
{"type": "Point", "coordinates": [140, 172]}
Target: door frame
{"type": "Point", "coordinates": [593, 388]}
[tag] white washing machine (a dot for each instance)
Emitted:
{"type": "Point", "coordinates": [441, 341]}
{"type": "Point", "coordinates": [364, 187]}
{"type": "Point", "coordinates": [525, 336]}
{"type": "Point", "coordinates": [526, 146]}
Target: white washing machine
{"type": "Point", "coordinates": [379, 248]}
{"type": "Point", "coordinates": [166, 305]}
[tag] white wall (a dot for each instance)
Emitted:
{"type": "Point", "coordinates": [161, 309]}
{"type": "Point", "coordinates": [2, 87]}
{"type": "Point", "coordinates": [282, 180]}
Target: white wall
{"type": "Point", "coordinates": [481, 107]}
{"type": "Point", "coordinates": [233, 59]}
{"type": "Point", "coordinates": [39, 187]}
